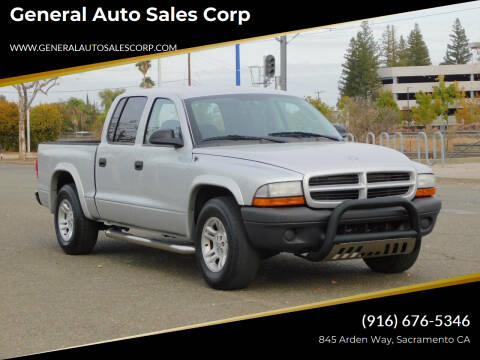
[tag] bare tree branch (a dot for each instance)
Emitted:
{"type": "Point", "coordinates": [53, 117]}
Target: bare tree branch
{"type": "Point", "coordinates": [46, 84]}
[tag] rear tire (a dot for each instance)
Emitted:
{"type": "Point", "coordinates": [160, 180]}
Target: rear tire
{"type": "Point", "coordinates": [395, 263]}
{"type": "Point", "coordinates": [223, 253]}
{"type": "Point", "coordinates": [76, 234]}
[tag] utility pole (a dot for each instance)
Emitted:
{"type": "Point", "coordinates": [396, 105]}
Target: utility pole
{"type": "Point", "coordinates": [318, 94]}
{"type": "Point", "coordinates": [159, 72]}
{"type": "Point", "coordinates": [283, 63]}
{"type": "Point", "coordinates": [28, 131]}
{"type": "Point", "coordinates": [283, 60]}
{"type": "Point", "coordinates": [189, 72]}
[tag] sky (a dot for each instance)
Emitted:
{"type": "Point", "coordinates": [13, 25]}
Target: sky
{"type": "Point", "coordinates": [314, 58]}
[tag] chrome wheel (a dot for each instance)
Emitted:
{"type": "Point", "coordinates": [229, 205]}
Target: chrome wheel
{"type": "Point", "coordinates": [65, 220]}
{"type": "Point", "coordinates": [214, 244]}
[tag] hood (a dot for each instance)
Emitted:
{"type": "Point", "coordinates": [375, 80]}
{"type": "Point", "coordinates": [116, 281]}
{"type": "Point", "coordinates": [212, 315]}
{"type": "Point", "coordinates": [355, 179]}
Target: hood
{"type": "Point", "coordinates": [305, 157]}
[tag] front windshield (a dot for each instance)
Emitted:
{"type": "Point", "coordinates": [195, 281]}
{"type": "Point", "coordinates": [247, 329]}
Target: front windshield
{"type": "Point", "coordinates": [256, 116]}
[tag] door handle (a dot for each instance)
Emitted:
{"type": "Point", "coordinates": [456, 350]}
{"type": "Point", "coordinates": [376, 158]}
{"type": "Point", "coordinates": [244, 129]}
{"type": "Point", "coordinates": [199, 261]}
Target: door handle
{"type": "Point", "coordinates": [138, 165]}
{"type": "Point", "coordinates": [102, 162]}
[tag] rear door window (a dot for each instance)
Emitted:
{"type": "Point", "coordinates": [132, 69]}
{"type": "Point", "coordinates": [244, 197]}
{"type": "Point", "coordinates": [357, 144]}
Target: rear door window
{"type": "Point", "coordinates": [114, 122]}
{"type": "Point", "coordinates": [127, 126]}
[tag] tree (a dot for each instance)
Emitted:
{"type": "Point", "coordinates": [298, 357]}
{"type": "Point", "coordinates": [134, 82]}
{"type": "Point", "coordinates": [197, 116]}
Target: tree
{"type": "Point", "coordinates": [25, 100]}
{"type": "Point", "coordinates": [147, 83]}
{"type": "Point", "coordinates": [434, 105]}
{"type": "Point", "coordinates": [402, 52]}
{"type": "Point", "coordinates": [46, 123]}
{"type": "Point", "coordinates": [361, 116]}
{"type": "Point", "coordinates": [8, 125]}
{"type": "Point", "coordinates": [417, 49]}
{"type": "Point", "coordinates": [144, 66]}
{"type": "Point", "coordinates": [386, 100]}
{"type": "Point", "coordinates": [458, 51]}
{"type": "Point", "coordinates": [77, 113]}
{"type": "Point", "coordinates": [321, 106]}
{"type": "Point", "coordinates": [424, 112]}
{"type": "Point", "coordinates": [108, 96]}
{"type": "Point", "coordinates": [360, 70]}
{"type": "Point", "coordinates": [468, 110]}
{"type": "Point", "coordinates": [390, 47]}
{"type": "Point", "coordinates": [445, 96]}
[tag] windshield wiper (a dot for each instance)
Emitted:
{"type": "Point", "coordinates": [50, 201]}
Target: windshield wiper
{"type": "Point", "coordinates": [242, 137]}
{"type": "Point", "coordinates": [301, 134]}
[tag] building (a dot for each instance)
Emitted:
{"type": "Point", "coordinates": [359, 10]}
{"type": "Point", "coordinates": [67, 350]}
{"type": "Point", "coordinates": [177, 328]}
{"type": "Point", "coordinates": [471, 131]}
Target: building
{"type": "Point", "coordinates": [405, 81]}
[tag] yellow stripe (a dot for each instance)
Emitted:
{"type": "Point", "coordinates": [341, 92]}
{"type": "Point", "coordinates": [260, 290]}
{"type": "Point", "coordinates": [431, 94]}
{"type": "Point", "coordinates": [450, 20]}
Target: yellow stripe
{"type": "Point", "coordinates": [106, 64]}
{"type": "Point", "coordinates": [345, 300]}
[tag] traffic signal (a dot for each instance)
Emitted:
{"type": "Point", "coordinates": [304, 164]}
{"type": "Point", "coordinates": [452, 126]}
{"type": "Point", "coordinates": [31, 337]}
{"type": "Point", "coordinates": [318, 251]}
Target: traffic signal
{"type": "Point", "coordinates": [269, 66]}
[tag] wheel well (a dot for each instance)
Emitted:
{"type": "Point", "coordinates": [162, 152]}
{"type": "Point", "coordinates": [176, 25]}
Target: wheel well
{"type": "Point", "coordinates": [59, 179]}
{"type": "Point", "coordinates": [62, 178]}
{"type": "Point", "coordinates": [205, 193]}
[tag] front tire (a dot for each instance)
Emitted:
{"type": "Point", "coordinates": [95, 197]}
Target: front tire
{"type": "Point", "coordinates": [223, 253]}
{"type": "Point", "coordinates": [76, 234]}
{"type": "Point", "coordinates": [395, 263]}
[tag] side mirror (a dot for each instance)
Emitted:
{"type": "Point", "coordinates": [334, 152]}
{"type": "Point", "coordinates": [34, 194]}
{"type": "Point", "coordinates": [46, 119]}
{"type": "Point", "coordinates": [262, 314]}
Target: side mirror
{"type": "Point", "coordinates": [341, 129]}
{"type": "Point", "coordinates": [165, 137]}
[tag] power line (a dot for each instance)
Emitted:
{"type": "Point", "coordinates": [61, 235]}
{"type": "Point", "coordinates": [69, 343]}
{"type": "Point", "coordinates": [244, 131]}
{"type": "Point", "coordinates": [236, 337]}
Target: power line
{"type": "Point", "coordinates": [374, 24]}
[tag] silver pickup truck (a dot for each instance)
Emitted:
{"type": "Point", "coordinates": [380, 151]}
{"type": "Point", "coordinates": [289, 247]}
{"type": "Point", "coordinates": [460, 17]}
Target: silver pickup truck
{"type": "Point", "coordinates": [235, 176]}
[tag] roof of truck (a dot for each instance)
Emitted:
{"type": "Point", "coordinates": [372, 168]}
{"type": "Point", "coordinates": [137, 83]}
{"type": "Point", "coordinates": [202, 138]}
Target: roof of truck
{"type": "Point", "coordinates": [194, 91]}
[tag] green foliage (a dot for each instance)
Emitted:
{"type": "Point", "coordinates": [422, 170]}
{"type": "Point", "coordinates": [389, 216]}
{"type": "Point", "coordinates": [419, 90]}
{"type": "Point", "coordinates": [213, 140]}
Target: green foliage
{"type": "Point", "coordinates": [321, 106]}
{"type": "Point", "coordinates": [444, 96]}
{"type": "Point", "coordinates": [417, 49]}
{"type": "Point", "coordinates": [402, 52]}
{"type": "Point", "coordinates": [360, 70]}
{"type": "Point", "coordinates": [458, 51]}
{"type": "Point", "coordinates": [434, 105]}
{"type": "Point", "coordinates": [468, 110]}
{"type": "Point", "coordinates": [361, 116]}
{"type": "Point", "coordinates": [390, 47]}
{"type": "Point", "coordinates": [143, 67]}
{"type": "Point", "coordinates": [386, 100]}
{"type": "Point", "coordinates": [45, 123]}
{"type": "Point", "coordinates": [8, 125]}
{"type": "Point", "coordinates": [147, 83]}
{"type": "Point", "coordinates": [424, 112]}
{"type": "Point", "coordinates": [107, 96]}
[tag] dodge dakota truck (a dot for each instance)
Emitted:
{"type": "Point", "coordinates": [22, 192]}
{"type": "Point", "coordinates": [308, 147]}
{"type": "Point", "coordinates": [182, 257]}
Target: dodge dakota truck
{"type": "Point", "coordinates": [235, 176]}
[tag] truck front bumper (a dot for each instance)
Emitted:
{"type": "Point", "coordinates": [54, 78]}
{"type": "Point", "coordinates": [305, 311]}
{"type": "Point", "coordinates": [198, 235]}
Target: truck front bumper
{"type": "Point", "coordinates": [305, 230]}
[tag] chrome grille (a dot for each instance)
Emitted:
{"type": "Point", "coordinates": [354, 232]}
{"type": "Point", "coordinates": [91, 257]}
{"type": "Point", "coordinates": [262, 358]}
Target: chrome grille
{"type": "Point", "coordinates": [333, 180]}
{"type": "Point", "coordinates": [381, 192]}
{"type": "Point", "coordinates": [329, 190]}
{"type": "Point", "coordinates": [387, 176]}
{"type": "Point", "coordinates": [334, 195]}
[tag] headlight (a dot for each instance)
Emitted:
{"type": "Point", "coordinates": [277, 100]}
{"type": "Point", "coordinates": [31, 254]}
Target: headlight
{"type": "Point", "coordinates": [426, 185]}
{"type": "Point", "coordinates": [279, 194]}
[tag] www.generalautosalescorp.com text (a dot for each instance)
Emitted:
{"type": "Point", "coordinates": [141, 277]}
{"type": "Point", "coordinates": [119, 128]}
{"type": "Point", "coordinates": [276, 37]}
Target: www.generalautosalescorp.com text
{"type": "Point", "coordinates": [104, 47]}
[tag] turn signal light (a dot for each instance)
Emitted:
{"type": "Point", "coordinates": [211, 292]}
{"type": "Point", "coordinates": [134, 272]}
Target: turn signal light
{"type": "Point", "coordinates": [279, 201]}
{"type": "Point", "coordinates": [425, 192]}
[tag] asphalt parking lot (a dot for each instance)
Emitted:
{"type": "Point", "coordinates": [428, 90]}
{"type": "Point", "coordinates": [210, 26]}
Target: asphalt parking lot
{"type": "Point", "coordinates": [50, 300]}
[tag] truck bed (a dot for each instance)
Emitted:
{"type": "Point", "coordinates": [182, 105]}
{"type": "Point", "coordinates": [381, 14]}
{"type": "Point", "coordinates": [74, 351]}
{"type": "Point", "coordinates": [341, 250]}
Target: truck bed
{"type": "Point", "coordinates": [76, 158]}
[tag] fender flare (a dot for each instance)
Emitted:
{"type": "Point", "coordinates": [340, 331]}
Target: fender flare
{"type": "Point", "coordinates": [211, 180]}
{"type": "Point", "coordinates": [68, 168]}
